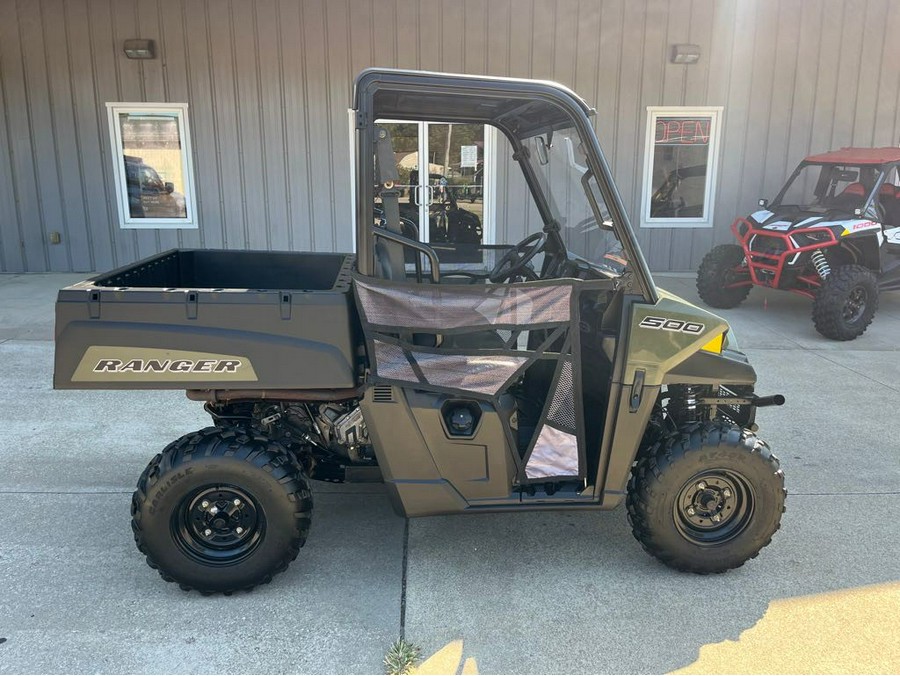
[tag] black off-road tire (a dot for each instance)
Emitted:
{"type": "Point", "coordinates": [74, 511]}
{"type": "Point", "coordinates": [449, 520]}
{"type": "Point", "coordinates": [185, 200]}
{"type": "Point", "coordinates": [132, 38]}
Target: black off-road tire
{"type": "Point", "coordinates": [716, 272]}
{"type": "Point", "coordinates": [263, 510]}
{"type": "Point", "coordinates": [693, 470]}
{"type": "Point", "coordinates": [837, 313]}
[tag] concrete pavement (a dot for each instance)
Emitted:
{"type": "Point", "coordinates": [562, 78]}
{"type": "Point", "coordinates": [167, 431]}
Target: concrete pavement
{"type": "Point", "coordinates": [516, 593]}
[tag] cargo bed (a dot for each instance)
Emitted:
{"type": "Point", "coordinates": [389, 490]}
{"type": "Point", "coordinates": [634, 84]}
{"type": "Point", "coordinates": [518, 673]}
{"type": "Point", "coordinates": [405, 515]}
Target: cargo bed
{"type": "Point", "coordinates": [201, 319]}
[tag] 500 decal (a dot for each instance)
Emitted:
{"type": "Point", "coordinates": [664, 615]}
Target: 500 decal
{"type": "Point", "coordinates": [694, 328]}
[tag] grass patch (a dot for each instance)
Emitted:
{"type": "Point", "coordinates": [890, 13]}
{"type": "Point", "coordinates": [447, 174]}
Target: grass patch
{"type": "Point", "coordinates": [401, 657]}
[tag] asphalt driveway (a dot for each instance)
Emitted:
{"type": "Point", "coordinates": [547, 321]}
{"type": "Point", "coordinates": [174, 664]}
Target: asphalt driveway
{"type": "Point", "coordinates": [510, 593]}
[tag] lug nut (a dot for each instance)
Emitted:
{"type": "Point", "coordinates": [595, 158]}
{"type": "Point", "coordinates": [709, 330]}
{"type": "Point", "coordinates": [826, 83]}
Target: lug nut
{"type": "Point", "coordinates": [701, 485]}
{"type": "Point", "coordinates": [204, 504]}
{"type": "Point", "coordinates": [214, 510]}
{"type": "Point", "coordinates": [237, 503]}
{"type": "Point", "coordinates": [207, 532]}
{"type": "Point", "coordinates": [238, 530]}
{"type": "Point", "coordinates": [691, 511]}
{"type": "Point", "coordinates": [726, 493]}
{"type": "Point", "coordinates": [717, 517]}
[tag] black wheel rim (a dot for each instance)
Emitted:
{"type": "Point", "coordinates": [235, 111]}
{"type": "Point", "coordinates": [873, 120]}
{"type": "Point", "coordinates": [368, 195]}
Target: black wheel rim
{"type": "Point", "coordinates": [855, 307]}
{"type": "Point", "coordinates": [714, 507]}
{"type": "Point", "coordinates": [218, 525]}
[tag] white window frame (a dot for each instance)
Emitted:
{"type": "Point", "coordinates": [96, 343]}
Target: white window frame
{"type": "Point", "coordinates": [126, 221]}
{"type": "Point", "coordinates": [712, 172]}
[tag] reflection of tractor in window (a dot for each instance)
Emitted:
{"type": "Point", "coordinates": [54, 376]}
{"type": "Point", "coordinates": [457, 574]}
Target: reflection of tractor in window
{"type": "Point", "coordinates": [148, 195]}
{"type": "Point", "coordinates": [448, 222]}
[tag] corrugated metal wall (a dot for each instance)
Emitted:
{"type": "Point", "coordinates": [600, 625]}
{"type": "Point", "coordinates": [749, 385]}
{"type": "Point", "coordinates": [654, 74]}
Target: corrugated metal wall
{"type": "Point", "coordinates": [269, 82]}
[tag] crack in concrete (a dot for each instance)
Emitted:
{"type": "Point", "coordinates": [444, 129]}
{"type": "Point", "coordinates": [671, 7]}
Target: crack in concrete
{"type": "Point", "coordinates": [852, 370]}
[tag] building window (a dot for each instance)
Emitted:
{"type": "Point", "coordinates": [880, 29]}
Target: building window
{"type": "Point", "coordinates": [153, 167]}
{"type": "Point", "coordinates": [680, 165]}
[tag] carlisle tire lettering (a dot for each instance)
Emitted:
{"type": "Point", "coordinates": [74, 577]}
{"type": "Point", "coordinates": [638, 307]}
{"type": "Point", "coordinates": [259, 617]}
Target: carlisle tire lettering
{"type": "Point", "coordinates": [668, 324]}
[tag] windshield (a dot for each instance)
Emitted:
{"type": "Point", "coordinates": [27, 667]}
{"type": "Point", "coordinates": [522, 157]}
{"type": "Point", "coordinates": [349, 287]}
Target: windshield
{"type": "Point", "coordinates": [826, 187]}
{"type": "Point", "coordinates": [558, 160]}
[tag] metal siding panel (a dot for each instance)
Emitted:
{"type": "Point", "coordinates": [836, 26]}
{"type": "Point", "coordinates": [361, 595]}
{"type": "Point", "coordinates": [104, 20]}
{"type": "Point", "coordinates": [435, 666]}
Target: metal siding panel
{"type": "Point", "coordinates": [670, 92]}
{"type": "Point", "coordinates": [804, 99]}
{"type": "Point", "coordinates": [177, 89]}
{"type": "Point", "coordinates": [75, 248]}
{"type": "Point", "coordinates": [338, 85]}
{"type": "Point", "coordinates": [152, 89]}
{"type": "Point", "coordinates": [498, 37]}
{"type": "Point", "coordinates": [656, 242]}
{"type": "Point", "coordinates": [730, 86]}
{"type": "Point", "coordinates": [849, 68]}
{"type": "Point", "coordinates": [88, 122]}
{"type": "Point", "coordinates": [318, 125]}
{"type": "Point", "coordinates": [629, 110]}
{"type": "Point", "coordinates": [543, 40]}
{"type": "Point", "coordinates": [784, 88]}
{"type": "Point", "coordinates": [721, 40]}
{"type": "Point", "coordinates": [609, 57]}
{"type": "Point", "coordinates": [497, 60]}
{"type": "Point", "coordinates": [756, 130]}
{"type": "Point", "coordinates": [869, 74]}
{"type": "Point", "coordinates": [41, 188]}
{"type": "Point", "coordinates": [383, 31]}
{"type": "Point", "coordinates": [827, 82]}
{"type": "Point", "coordinates": [272, 120]}
{"type": "Point", "coordinates": [475, 37]}
{"type": "Point", "coordinates": [198, 61]}
{"type": "Point", "coordinates": [429, 35]}
{"type": "Point", "coordinates": [124, 85]}
{"type": "Point", "coordinates": [522, 218]}
{"type": "Point", "coordinates": [295, 121]}
{"type": "Point", "coordinates": [249, 101]}
{"type": "Point", "coordinates": [406, 45]}
{"type": "Point", "coordinates": [132, 87]}
{"type": "Point", "coordinates": [12, 244]}
{"type": "Point", "coordinates": [690, 250]}
{"type": "Point", "coordinates": [886, 107]}
{"type": "Point", "coordinates": [158, 74]}
{"type": "Point", "coordinates": [453, 38]}
{"type": "Point", "coordinates": [228, 150]}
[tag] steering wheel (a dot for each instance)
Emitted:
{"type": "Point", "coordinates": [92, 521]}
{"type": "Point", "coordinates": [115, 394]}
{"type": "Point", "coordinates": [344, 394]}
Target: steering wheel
{"type": "Point", "coordinates": [513, 263]}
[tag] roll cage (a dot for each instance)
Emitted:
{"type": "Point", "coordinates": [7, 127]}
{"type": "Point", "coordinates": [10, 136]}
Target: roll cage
{"type": "Point", "coordinates": [520, 109]}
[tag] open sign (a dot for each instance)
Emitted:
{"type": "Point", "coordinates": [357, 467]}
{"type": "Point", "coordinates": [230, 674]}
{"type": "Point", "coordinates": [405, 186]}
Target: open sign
{"type": "Point", "coordinates": [672, 131]}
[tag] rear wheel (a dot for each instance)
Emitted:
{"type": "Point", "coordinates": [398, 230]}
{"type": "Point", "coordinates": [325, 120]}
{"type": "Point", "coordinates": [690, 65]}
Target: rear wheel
{"type": "Point", "coordinates": [718, 274]}
{"type": "Point", "coordinates": [846, 302]}
{"type": "Point", "coordinates": [706, 499]}
{"type": "Point", "coordinates": [221, 510]}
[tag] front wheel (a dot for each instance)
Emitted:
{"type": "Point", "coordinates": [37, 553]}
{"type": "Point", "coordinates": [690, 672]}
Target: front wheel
{"type": "Point", "coordinates": [221, 510]}
{"type": "Point", "coordinates": [706, 499]}
{"type": "Point", "coordinates": [722, 279]}
{"type": "Point", "coordinates": [846, 302]}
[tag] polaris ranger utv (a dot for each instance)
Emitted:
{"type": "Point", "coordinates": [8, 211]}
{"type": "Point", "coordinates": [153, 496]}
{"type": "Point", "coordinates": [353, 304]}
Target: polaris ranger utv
{"type": "Point", "coordinates": [552, 374]}
{"type": "Point", "coordinates": [831, 234]}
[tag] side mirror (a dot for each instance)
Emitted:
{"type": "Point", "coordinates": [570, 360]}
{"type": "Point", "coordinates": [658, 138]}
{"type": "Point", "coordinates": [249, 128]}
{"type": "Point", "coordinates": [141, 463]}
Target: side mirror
{"type": "Point", "coordinates": [170, 187]}
{"type": "Point", "coordinates": [763, 202]}
{"type": "Point", "coordinates": [542, 151]}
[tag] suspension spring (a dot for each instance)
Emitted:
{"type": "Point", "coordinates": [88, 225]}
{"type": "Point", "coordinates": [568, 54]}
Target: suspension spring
{"type": "Point", "coordinates": [820, 263]}
{"type": "Point", "coordinates": [684, 403]}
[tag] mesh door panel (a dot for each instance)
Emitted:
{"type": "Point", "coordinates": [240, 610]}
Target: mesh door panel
{"type": "Point", "coordinates": [562, 407]}
{"type": "Point", "coordinates": [392, 362]}
{"type": "Point", "coordinates": [482, 373]}
{"type": "Point", "coordinates": [436, 307]}
{"type": "Point", "coordinates": [555, 454]}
